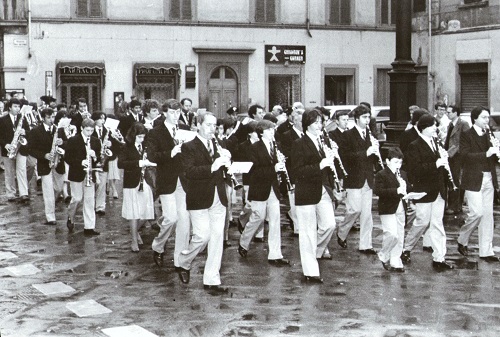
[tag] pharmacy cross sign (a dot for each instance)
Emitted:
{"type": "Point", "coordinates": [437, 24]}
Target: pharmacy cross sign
{"type": "Point", "coordinates": [280, 54]}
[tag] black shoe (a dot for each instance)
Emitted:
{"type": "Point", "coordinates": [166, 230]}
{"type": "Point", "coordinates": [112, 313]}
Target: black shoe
{"type": "Point", "coordinates": [405, 257]}
{"type": "Point", "coordinates": [259, 240]}
{"type": "Point", "coordinates": [356, 227]}
{"type": "Point", "coordinates": [427, 249]}
{"type": "Point", "coordinates": [397, 270]}
{"type": "Point", "coordinates": [279, 262]}
{"type": "Point", "coordinates": [12, 199]}
{"type": "Point", "coordinates": [441, 266]}
{"type": "Point", "coordinates": [70, 225]}
{"type": "Point", "coordinates": [290, 223]}
{"type": "Point", "coordinates": [295, 235]}
{"type": "Point", "coordinates": [463, 250]}
{"type": "Point", "coordinates": [50, 223]}
{"type": "Point", "coordinates": [90, 232]}
{"type": "Point", "coordinates": [313, 279]}
{"type": "Point", "coordinates": [232, 223]}
{"type": "Point", "coordinates": [215, 289]}
{"type": "Point", "coordinates": [226, 244]}
{"type": "Point", "coordinates": [240, 226]}
{"type": "Point", "coordinates": [242, 251]}
{"type": "Point", "coordinates": [386, 266]}
{"type": "Point", "coordinates": [369, 251]}
{"type": "Point", "coordinates": [158, 258]}
{"type": "Point", "coordinates": [342, 243]}
{"type": "Point", "coordinates": [491, 258]}
{"type": "Point", "coordinates": [24, 199]}
{"type": "Point", "coordinates": [183, 274]}
{"type": "Point", "coordinates": [155, 226]}
{"type": "Point", "coordinates": [67, 200]}
{"type": "Point", "coordinates": [326, 256]}
{"type": "Point", "coordinates": [100, 212]}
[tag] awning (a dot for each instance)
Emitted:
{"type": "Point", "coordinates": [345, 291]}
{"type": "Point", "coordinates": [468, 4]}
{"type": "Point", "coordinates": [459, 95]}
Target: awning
{"type": "Point", "coordinates": [155, 69]}
{"type": "Point", "coordinates": [80, 68]}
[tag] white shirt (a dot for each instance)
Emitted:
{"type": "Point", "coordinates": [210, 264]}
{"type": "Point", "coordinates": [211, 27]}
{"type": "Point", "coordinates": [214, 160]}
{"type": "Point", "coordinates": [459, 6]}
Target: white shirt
{"type": "Point", "coordinates": [478, 130]}
{"type": "Point", "coordinates": [298, 132]}
{"type": "Point", "coordinates": [360, 130]}
{"type": "Point", "coordinates": [47, 128]}
{"type": "Point", "coordinates": [314, 139]}
{"type": "Point", "coordinates": [205, 142]}
{"type": "Point", "coordinates": [170, 127]}
{"type": "Point", "coordinates": [429, 142]}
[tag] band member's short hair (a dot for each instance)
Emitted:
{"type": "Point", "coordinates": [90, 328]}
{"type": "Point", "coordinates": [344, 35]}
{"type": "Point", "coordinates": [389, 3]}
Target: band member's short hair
{"type": "Point", "coordinates": [310, 117]}
{"type": "Point", "coordinates": [425, 121]}
{"type": "Point", "coordinates": [61, 106]}
{"type": "Point", "coordinates": [13, 101]}
{"type": "Point", "coordinates": [34, 105]}
{"type": "Point", "coordinates": [253, 110]}
{"type": "Point", "coordinates": [150, 104]}
{"type": "Point", "coordinates": [88, 123]}
{"type": "Point", "coordinates": [134, 103]}
{"type": "Point", "coordinates": [474, 114]}
{"type": "Point", "coordinates": [232, 110]}
{"type": "Point", "coordinates": [394, 152]}
{"type": "Point", "coordinates": [413, 107]}
{"type": "Point", "coordinates": [360, 110]}
{"type": "Point", "coordinates": [326, 113]}
{"type": "Point", "coordinates": [289, 111]}
{"type": "Point", "coordinates": [228, 123]}
{"type": "Point", "coordinates": [60, 114]}
{"type": "Point", "coordinates": [82, 100]}
{"type": "Point", "coordinates": [456, 109]}
{"type": "Point", "coordinates": [264, 125]}
{"type": "Point", "coordinates": [251, 127]}
{"type": "Point", "coordinates": [367, 105]}
{"type": "Point", "coordinates": [171, 104]}
{"type": "Point", "coordinates": [136, 129]}
{"type": "Point", "coordinates": [185, 99]}
{"type": "Point", "coordinates": [297, 105]}
{"type": "Point", "coordinates": [47, 112]}
{"type": "Point", "coordinates": [439, 105]}
{"type": "Point", "coordinates": [24, 102]}
{"type": "Point", "coordinates": [270, 117]}
{"type": "Point", "coordinates": [203, 115]}
{"type": "Point", "coordinates": [341, 113]}
{"type": "Point", "coordinates": [97, 115]}
{"type": "Point", "coordinates": [417, 114]}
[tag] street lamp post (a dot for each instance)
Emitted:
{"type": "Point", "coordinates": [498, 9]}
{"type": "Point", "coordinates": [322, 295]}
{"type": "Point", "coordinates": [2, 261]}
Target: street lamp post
{"type": "Point", "coordinates": [403, 78]}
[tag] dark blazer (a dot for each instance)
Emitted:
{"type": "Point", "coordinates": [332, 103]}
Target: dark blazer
{"type": "Point", "coordinates": [358, 165]}
{"type": "Point", "coordinates": [7, 133]}
{"type": "Point", "coordinates": [77, 120]}
{"type": "Point", "coordinates": [286, 141]}
{"type": "Point", "coordinates": [309, 179]}
{"type": "Point", "coordinates": [263, 177]}
{"type": "Point", "coordinates": [280, 130]}
{"type": "Point", "coordinates": [406, 138]}
{"type": "Point", "coordinates": [127, 121]}
{"type": "Point", "coordinates": [474, 161]}
{"type": "Point", "coordinates": [244, 155]}
{"type": "Point", "coordinates": [386, 186]}
{"type": "Point", "coordinates": [337, 136]}
{"type": "Point", "coordinates": [128, 160]}
{"type": "Point", "coordinates": [454, 145]}
{"type": "Point", "coordinates": [159, 144]}
{"type": "Point", "coordinates": [41, 144]}
{"type": "Point", "coordinates": [423, 173]}
{"type": "Point", "coordinates": [201, 181]}
{"type": "Point", "coordinates": [76, 153]}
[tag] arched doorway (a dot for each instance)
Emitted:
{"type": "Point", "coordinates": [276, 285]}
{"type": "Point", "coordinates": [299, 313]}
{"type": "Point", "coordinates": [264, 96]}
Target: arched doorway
{"type": "Point", "coordinates": [222, 90]}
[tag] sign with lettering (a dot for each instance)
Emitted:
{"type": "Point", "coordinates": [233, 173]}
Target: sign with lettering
{"type": "Point", "coordinates": [279, 54]}
{"type": "Point", "coordinates": [156, 71]}
{"type": "Point", "coordinates": [80, 70]}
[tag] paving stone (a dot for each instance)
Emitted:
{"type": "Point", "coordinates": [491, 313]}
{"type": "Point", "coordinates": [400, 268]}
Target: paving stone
{"type": "Point", "coordinates": [7, 255]}
{"type": "Point", "coordinates": [128, 331]}
{"type": "Point", "coordinates": [53, 288]}
{"type": "Point", "coordinates": [87, 308]}
{"type": "Point", "coordinates": [23, 270]}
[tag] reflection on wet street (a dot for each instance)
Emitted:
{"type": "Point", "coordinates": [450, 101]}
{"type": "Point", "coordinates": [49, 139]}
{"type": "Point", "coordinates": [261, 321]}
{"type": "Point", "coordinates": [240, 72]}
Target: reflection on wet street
{"type": "Point", "coordinates": [54, 283]}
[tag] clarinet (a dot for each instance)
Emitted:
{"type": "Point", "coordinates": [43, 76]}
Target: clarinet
{"type": "Point", "coordinates": [493, 140]}
{"type": "Point", "coordinates": [88, 169]}
{"type": "Point", "coordinates": [372, 139]}
{"type": "Point", "coordinates": [329, 153]}
{"type": "Point", "coordinates": [280, 157]}
{"type": "Point", "coordinates": [143, 171]}
{"type": "Point", "coordinates": [333, 144]}
{"type": "Point", "coordinates": [236, 183]}
{"type": "Point", "coordinates": [444, 154]}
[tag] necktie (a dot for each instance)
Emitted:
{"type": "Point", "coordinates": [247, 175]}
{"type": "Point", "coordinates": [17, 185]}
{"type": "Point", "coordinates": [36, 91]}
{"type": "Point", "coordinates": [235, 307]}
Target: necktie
{"type": "Point", "coordinates": [139, 148]}
{"type": "Point", "coordinates": [448, 135]}
{"type": "Point", "coordinates": [320, 150]}
{"type": "Point", "coordinates": [49, 130]}
{"type": "Point", "coordinates": [364, 134]}
{"type": "Point", "coordinates": [173, 132]}
{"type": "Point", "coordinates": [483, 131]}
{"type": "Point", "coordinates": [271, 148]}
{"type": "Point", "coordinates": [209, 148]}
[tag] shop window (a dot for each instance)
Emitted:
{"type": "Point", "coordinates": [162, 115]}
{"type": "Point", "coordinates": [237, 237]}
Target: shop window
{"type": "Point", "coordinates": [265, 11]}
{"type": "Point", "coordinates": [382, 87]}
{"type": "Point", "coordinates": [89, 8]}
{"type": "Point", "coordinates": [340, 12]}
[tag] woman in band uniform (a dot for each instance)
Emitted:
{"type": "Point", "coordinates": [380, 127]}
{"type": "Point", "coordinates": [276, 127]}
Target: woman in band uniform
{"type": "Point", "coordinates": [138, 201]}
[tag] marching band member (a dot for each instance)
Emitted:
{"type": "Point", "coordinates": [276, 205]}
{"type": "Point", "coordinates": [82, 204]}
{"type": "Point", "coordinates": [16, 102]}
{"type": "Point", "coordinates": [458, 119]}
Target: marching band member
{"type": "Point", "coordinates": [264, 194]}
{"type": "Point", "coordinates": [85, 153]}
{"type": "Point", "coordinates": [80, 115]}
{"type": "Point", "coordinates": [49, 166]}
{"type": "Point", "coordinates": [15, 168]}
{"type": "Point", "coordinates": [342, 118]}
{"type": "Point", "coordinates": [391, 186]}
{"type": "Point", "coordinates": [165, 150]}
{"type": "Point", "coordinates": [69, 131]}
{"type": "Point", "coordinates": [359, 155]}
{"type": "Point", "coordinates": [424, 163]}
{"type": "Point", "coordinates": [479, 180]}
{"type": "Point", "coordinates": [138, 203]}
{"type": "Point", "coordinates": [206, 202]}
{"type": "Point", "coordinates": [313, 195]}
{"type": "Point", "coordinates": [151, 113]}
{"type": "Point", "coordinates": [135, 115]}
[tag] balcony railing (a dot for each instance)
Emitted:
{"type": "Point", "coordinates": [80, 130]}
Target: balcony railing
{"type": "Point", "coordinates": [12, 10]}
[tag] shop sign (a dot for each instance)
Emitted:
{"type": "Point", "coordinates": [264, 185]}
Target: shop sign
{"type": "Point", "coordinates": [280, 54]}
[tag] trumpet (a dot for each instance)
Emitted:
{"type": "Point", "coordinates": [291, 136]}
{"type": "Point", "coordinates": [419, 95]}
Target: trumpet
{"type": "Point", "coordinates": [375, 141]}
{"type": "Point", "coordinates": [18, 140]}
{"type": "Point", "coordinates": [329, 153]}
{"type": "Point", "coordinates": [493, 140]}
{"type": "Point", "coordinates": [444, 155]}
{"type": "Point", "coordinates": [234, 181]}
{"type": "Point", "coordinates": [333, 145]}
{"type": "Point", "coordinates": [282, 159]}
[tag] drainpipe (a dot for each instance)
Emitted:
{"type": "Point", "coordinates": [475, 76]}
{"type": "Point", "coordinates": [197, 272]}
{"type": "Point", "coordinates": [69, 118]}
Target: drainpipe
{"type": "Point", "coordinates": [29, 28]}
{"type": "Point", "coordinates": [430, 72]}
{"type": "Point", "coordinates": [308, 22]}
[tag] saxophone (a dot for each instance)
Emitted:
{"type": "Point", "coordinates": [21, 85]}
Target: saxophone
{"type": "Point", "coordinates": [18, 140]}
{"type": "Point", "coordinates": [54, 155]}
{"type": "Point", "coordinates": [106, 153]}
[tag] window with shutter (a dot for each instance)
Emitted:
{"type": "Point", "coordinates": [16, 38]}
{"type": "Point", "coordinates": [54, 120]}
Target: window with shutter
{"type": "Point", "coordinates": [340, 12]}
{"type": "Point", "coordinates": [419, 6]}
{"type": "Point", "coordinates": [180, 10]}
{"type": "Point", "coordinates": [89, 8]}
{"type": "Point", "coordinates": [95, 8]}
{"type": "Point", "coordinates": [387, 12]}
{"type": "Point", "coordinates": [265, 11]}
{"type": "Point", "coordinates": [82, 9]}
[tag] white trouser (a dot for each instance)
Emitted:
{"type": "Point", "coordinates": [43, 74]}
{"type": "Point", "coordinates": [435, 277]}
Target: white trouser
{"type": "Point", "coordinates": [271, 207]}
{"type": "Point", "coordinates": [246, 212]}
{"type": "Point", "coordinates": [15, 169]}
{"type": "Point", "coordinates": [100, 197]}
{"type": "Point", "coordinates": [480, 216]}
{"type": "Point", "coordinates": [393, 226]}
{"type": "Point", "coordinates": [229, 211]}
{"type": "Point", "coordinates": [208, 228]}
{"type": "Point", "coordinates": [429, 216]}
{"type": "Point", "coordinates": [316, 226]}
{"type": "Point", "coordinates": [359, 205]}
{"type": "Point", "coordinates": [293, 211]}
{"type": "Point", "coordinates": [176, 216]}
{"type": "Point", "coordinates": [52, 184]}
{"type": "Point", "coordinates": [81, 192]}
